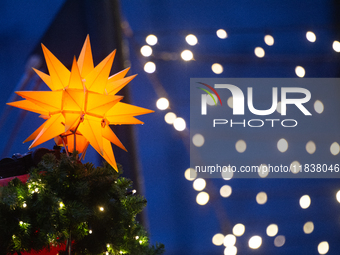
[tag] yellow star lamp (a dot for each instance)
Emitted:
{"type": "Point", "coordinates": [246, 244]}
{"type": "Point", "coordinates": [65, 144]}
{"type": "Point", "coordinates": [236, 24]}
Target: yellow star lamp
{"type": "Point", "coordinates": [81, 105]}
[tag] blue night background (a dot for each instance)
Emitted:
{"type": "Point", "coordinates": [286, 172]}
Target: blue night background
{"type": "Point", "coordinates": [159, 154]}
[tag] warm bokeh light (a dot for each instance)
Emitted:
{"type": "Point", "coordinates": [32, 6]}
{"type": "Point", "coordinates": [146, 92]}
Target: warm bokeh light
{"type": "Point", "coordinates": [199, 184]}
{"type": "Point", "coordinates": [338, 196]}
{"type": "Point", "coordinates": [259, 52]}
{"type": "Point", "coordinates": [311, 36]}
{"type": "Point", "coordinates": [261, 198]}
{"type": "Point", "coordinates": [230, 102]}
{"type": "Point", "coordinates": [190, 174]}
{"type": "Point", "coordinates": [229, 240]}
{"type": "Point", "coordinates": [269, 40]}
{"type": "Point", "coordinates": [282, 145]}
{"type": "Point", "coordinates": [310, 147]}
{"type": "Point", "coordinates": [149, 67]}
{"type": "Point", "coordinates": [336, 46]}
{"type": "Point", "coordinates": [162, 103]}
{"type": "Point", "coordinates": [335, 148]}
{"type": "Point", "coordinates": [230, 250]}
{"type": "Point", "coordinates": [221, 33]}
{"type": "Point", "coordinates": [295, 167]}
{"type": "Point", "coordinates": [210, 101]}
{"type": "Point", "coordinates": [227, 173]}
{"type": "Point", "coordinates": [179, 124]}
{"type": "Point", "coordinates": [225, 191]}
{"type": "Point", "coordinates": [255, 242]}
{"type": "Point", "coordinates": [240, 146]}
{"type": "Point", "coordinates": [151, 40]}
{"type": "Point", "coordinates": [187, 55]}
{"type": "Point", "coordinates": [279, 241]}
{"type": "Point", "coordinates": [170, 117]}
{"type": "Point", "coordinates": [323, 247]}
{"type": "Point", "coordinates": [278, 107]}
{"type": "Point", "coordinates": [202, 198]}
{"type": "Point", "coordinates": [305, 201]}
{"type": "Point", "coordinates": [101, 209]}
{"type": "Point", "coordinates": [218, 239]}
{"type": "Point", "coordinates": [191, 39]}
{"type": "Point", "coordinates": [198, 140]}
{"type": "Point", "coordinates": [146, 51]}
{"type": "Point", "coordinates": [217, 68]}
{"type": "Point", "coordinates": [308, 227]}
{"type": "Point", "coordinates": [318, 106]}
{"type": "Point", "coordinates": [263, 171]}
{"type": "Point", "coordinates": [300, 71]}
{"type": "Point", "coordinates": [238, 229]}
{"type": "Point", "coordinates": [272, 230]}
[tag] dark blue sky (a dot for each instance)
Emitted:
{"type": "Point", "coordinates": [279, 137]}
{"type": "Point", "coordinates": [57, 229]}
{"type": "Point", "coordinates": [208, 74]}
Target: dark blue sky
{"type": "Point", "coordinates": [174, 217]}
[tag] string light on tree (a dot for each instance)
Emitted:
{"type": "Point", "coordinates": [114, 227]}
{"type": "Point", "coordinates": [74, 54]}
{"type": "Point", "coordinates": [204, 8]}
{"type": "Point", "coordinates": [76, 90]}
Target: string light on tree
{"type": "Point", "coordinates": [255, 242]}
{"type": "Point", "coordinates": [272, 230]}
{"type": "Point", "coordinates": [300, 71]}
{"type": "Point", "coordinates": [308, 227]}
{"type": "Point", "coordinates": [240, 146]}
{"type": "Point", "coordinates": [263, 171]}
{"type": "Point", "coordinates": [318, 106]}
{"type": "Point", "coordinates": [305, 201]}
{"type": "Point", "coordinates": [218, 239]}
{"type": "Point", "coordinates": [335, 148]}
{"type": "Point", "coordinates": [217, 68]}
{"type": "Point", "coordinates": [269, 40]}
{"type": "Point", "coordinates": [202, 198]}
{"type": "Point", "coordinates": [336, 46]}
{"type": "Point", "coordinates": [221, 33]}
{"type": "Point", "coordinates": [191, 39]}
{"type": "Point", "coordinates": [198, 140]}
{"type": "Point", "coordinates": [310, 147]}
{"type": "Point", "coordinates": [187, 55]}
{"type": "Point", "coordinates": [170, 117]}
{"type": "Point", "coordinates": [229, 240]}
{"type": "Point", "coordinates": [259, 52]}
{"type": "Point", "coordinates": [239, 229]}
{"type": "Point", "coordinates": [162, 103]}
{"type": "Point", "coordinates": [190, 174]}
{"type": "Point", "coordinates": [295, 167]}
{"type": "Point", "coordinates": [279, 241]}
{"type": "Point", "coordinates": [230, 250]}
{"type": "Point", "coordinates": [179, 124]}
{"type": "Point", "coordinates": [261, 198]}
{"type": "Point", "coordinates": [225, 191]}
{"type": "Point", "coordinates": [323, 247]}
{"type": "Point", "coordinates": [150, 67]}
{"type": "Point", "coordinates": [199, 184]}
{"type": "Point", "coordinates": [146, 51]}
{"type": "Point", "coordinates": [338, 196]}
{"type": "Point", "coordinates": [282, 145]}
{"type": "Point", "coordinates": [151, 40]}
{"type": "Point", "coordinates": [311, 36]}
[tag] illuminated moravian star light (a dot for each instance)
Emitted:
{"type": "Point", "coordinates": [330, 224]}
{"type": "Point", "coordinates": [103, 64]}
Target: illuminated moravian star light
{"type": "Point", "coordinates": [81, 105]}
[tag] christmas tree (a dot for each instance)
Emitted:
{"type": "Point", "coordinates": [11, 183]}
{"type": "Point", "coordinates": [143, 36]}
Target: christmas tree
{"type": "Point", "coordinates": [65, 201]}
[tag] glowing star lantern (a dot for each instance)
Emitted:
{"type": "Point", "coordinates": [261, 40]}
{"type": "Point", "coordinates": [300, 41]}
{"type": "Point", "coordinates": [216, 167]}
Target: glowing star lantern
{"type": "Point", "coordinates": [82, 104]}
